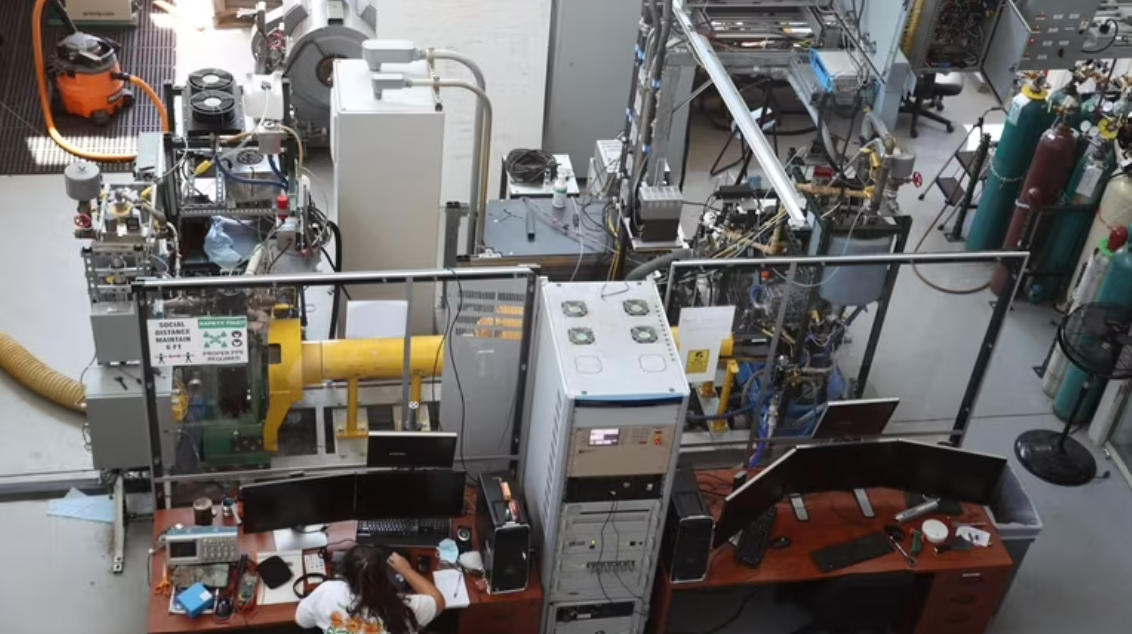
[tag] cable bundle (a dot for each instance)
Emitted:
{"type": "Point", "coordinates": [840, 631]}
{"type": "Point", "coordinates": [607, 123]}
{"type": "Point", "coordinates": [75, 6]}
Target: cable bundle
{"type": "Point", "coordinates": [529, 166]}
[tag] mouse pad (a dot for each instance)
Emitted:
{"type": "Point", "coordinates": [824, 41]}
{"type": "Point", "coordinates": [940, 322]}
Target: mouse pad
{"type": "Point", "coordinates": [274, 572]}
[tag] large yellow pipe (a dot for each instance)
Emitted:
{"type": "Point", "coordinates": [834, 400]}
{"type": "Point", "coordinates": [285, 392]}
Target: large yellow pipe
{"type": "Point", "coordinates": [345, 359]}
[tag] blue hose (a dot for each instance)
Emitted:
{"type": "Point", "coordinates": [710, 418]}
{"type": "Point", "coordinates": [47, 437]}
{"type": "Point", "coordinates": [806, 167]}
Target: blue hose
{"type": "Point", "coordinates": [239, 179]}
{"type": "Point", "coordinates": [275, 168]}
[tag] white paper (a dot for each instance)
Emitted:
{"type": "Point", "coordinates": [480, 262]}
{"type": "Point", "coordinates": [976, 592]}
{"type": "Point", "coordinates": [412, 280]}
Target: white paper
{"type": "Point", "coordinates": [702, 333]}
{"type": "Point", "coordinates": [974, 535]}
{"type": "Point", "coordinates": [1089, 180]}
{"type": "Point", "coordinates": [451, 585]}
{"type": "Point", "coordinates": [284, 593]}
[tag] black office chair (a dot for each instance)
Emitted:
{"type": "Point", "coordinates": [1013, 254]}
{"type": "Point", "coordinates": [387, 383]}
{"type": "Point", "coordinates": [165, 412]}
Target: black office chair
{"type": "Point", "coordinates": [933, 93]}
{"type": "Point", "coordinates": [856, 604]}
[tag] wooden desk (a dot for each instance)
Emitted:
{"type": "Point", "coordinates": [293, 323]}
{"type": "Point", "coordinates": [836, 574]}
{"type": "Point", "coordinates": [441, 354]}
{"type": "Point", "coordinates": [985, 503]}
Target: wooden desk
{"type": "Point", "coordinates": [960, 592]}
{"type": "Point", "coordinates": [488, 614]}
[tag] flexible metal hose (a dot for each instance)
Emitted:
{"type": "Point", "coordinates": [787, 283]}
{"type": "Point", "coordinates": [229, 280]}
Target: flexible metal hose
{"type": "Point", "coordinates": [37, 377]}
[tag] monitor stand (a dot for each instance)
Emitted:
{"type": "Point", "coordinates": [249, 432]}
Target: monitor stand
{"type": "Point", "coordinates": [863, 502]}
{"type": "Point", "coordinates": [301, 538]}
{"type": "Point", "coordinates": [799, 505]}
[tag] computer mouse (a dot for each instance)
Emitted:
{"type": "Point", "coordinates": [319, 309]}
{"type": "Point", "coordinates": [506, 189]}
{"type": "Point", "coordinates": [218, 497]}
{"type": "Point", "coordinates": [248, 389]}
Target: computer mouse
{"type": "Point", "coordinates": [223, 609]}
{"type": "Point", "coordinates": [779, 543]}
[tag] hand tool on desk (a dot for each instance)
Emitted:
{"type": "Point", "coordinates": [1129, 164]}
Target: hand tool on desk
{"type": "Point", "coordinates": [896, 535]}
{"type": "Point", "coordinates": [164, 587]}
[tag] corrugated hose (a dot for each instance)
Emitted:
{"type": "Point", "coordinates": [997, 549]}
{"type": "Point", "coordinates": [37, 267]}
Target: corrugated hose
{"type": "Point", "coordinates": [37, 377]}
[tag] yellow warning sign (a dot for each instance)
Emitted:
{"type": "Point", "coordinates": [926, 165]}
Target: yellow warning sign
{"type": "Point", "coordinates": [698, 361]}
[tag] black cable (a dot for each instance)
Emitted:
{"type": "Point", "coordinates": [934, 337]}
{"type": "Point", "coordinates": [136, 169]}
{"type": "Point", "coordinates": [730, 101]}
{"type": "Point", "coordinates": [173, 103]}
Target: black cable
{"type": "Point", "coordinates": [456, 371]}
{"type": "Point", "coordinates": [1115, 36]}
{"type": "Point", "coordinates": [336, 265]}
{"type": "Point", "coordinates": [529, 166]}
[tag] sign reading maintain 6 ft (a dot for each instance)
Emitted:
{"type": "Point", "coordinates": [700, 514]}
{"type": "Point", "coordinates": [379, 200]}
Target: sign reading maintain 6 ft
{"type": "Point", "coordinates": [198, 341]}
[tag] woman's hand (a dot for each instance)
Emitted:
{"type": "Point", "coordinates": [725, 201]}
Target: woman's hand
{"type": "Point", "coordinates": [398, 563]}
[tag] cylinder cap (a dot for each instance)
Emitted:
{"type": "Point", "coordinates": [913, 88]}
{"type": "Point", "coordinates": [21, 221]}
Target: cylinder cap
{"type": "Point", "coordinates": [1117, 238]}
{"type": "Point", "coordinates": [282, 202]}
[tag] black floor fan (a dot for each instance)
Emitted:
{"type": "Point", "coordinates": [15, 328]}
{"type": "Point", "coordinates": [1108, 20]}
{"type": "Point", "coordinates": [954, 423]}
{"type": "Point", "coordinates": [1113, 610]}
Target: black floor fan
{"type": "Point", "coordinates": [1095, 338]}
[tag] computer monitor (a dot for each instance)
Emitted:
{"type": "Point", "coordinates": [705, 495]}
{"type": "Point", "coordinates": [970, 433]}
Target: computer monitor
{"type": "Point", "coordinates": [409, 495]}
{"type": "Point", "coordinates": [858, 418]}
{"type": "Point", "coordinates": [745, 504]}
{"type": "Point", "coordinates": [411, 449]}
{"type": "Point", "coordinates": [287, 506]}
{"type": "Point", "coordinates": [946, 472]}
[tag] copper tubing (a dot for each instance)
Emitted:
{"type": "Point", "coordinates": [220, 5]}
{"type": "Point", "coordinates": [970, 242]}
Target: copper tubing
{"type": "Point", "coordinates": [37, 377]}
{"type": "Point", "coordinates": [45, 99]}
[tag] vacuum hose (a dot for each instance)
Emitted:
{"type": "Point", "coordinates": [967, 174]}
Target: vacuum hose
{"type": "Point", "coordinates": [37, 377]}
{"type": "Point", "coordinates": [45, 97]}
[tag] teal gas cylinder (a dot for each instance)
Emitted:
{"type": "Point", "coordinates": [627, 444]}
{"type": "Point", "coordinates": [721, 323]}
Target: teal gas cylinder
{"type": "Point", "coordinates": [1115, 289]}
{"type": "Point", "coordinates": [1068, 230]}
{"type": "Point", "coordinates": [1027, 118]}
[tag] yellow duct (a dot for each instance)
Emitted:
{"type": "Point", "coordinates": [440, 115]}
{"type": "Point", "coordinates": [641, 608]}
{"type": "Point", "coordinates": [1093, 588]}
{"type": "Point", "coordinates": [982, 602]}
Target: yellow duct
{"type": "Point", "coordinates": [37, 377]}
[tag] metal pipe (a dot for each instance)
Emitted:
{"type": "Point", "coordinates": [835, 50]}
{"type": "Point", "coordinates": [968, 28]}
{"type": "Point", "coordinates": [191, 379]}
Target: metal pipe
{"type": "Point", "coordinates": [477, 212]}
{"type": "Point", "coordinates": [482, 139]}
{"type": "Point", "coordinates": [736, 105]}
{"type": "Point", "coordinates": [470, 274]}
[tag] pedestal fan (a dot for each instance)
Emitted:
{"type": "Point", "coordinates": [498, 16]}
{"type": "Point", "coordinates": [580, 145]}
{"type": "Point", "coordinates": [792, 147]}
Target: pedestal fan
{"type": "Point", "coordinates": [1095, 338]}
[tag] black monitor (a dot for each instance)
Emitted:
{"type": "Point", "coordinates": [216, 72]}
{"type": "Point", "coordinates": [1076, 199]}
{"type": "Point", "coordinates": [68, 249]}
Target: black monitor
{"type": "Point", "coordinates": [859, 418]}
{"type": "Point", "coordinates": [933, 470]}
{"type": "Point", "coordinates": [409, 495]}
{"type": "Point", "coordinates": [948, 473]}
{"type": "Point", "coordinates": [751, 500]}
{"type": "Point", "coordinates": [411, 449]}
{"type": "Point", "coordinates": [297, 502]}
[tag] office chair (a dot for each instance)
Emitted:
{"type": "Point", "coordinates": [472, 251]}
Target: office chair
{"type": "Point", "coordinates": [932, 92]}
{"type": "Point", "coordinates": [855, 604]}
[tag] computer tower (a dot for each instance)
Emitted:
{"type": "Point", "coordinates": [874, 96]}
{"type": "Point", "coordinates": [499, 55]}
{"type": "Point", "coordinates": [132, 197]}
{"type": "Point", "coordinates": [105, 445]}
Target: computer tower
{"type": "Point", "coordinates": [504, 532]}
{"type": "Point", "coordinates": [686, 548]}
{"type": "Point", "coordinates": [607, 407]}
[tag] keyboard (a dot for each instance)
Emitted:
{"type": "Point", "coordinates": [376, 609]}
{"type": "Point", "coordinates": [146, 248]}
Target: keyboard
{"type": "Point", "coordinates": [755, 539]}
{"type": "Point", "coordinates": [851, 553]}
{"type": "Point", "coordinates": [409, 533]}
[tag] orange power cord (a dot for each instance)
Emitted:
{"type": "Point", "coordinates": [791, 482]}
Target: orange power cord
{"type": "Point", "coordinates": [45, 98]}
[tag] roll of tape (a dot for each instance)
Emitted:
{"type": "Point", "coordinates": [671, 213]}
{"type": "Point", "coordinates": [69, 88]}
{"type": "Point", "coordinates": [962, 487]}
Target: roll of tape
{"type": "Point", "coordinates": [202, 511]}
{"type": "Point", "coordinates": [935, 531]}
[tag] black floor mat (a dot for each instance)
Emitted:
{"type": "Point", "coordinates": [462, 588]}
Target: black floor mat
{"type": "Point", "coordinates": [148, 51]}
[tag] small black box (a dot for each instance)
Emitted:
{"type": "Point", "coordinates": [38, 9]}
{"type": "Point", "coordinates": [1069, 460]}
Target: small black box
{"type": "Point", "coordinates": [686, 547]}
{"type": "Point", "coordinates": [504, 533]}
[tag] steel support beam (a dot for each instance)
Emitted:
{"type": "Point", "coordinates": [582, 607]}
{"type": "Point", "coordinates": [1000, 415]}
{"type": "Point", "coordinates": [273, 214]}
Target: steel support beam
{"type": "Point", "coordinates": [763, 152]}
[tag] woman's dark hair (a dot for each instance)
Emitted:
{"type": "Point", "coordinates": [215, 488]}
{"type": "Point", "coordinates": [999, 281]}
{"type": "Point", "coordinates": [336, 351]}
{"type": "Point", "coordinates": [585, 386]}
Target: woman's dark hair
{"type": "Point", "coordinates": [366, 570]}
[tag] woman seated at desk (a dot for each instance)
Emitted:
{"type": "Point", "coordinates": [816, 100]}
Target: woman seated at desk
{"type": "Point", "coordinates": [365, 600]}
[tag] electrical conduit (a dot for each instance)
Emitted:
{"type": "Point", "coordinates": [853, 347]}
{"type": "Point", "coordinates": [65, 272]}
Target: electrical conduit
{"type": "Point", "coordinates": [33, 374]}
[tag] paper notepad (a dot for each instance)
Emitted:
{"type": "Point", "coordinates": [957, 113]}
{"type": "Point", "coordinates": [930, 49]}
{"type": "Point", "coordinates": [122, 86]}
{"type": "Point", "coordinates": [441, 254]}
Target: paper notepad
{"type": "Point", "coordinates": [452, 588]}
{"type": "Point", "coordinates": [284, 593]}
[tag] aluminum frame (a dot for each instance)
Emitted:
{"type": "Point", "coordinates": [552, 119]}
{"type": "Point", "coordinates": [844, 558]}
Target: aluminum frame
{"type": "Point", "coordinates": [145, 292]}
{"type": "Point", "coordinates": [1014, 262]}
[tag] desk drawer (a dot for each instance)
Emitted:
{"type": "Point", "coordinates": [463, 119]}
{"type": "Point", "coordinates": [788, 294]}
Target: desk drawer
{"type": "Point", "coordinates": [962, 602]}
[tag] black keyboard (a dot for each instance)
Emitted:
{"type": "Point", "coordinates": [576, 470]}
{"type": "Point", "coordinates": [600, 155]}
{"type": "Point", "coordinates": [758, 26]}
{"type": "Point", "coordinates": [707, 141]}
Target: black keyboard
{"type": "Point", "coordinates": [851, 553]}
{"type": "Point", "coordinates": [755, 539]}
{"type": "Point", "coordinates": [418, 533]}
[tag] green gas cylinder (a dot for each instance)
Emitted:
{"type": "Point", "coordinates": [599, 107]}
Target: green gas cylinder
{"type": "Point", "coordinates": [1026, 120]}
{"type": "Point", "coordinates": [1068, 230]}
{"type": "Point", "coordinates": [1115, 289]}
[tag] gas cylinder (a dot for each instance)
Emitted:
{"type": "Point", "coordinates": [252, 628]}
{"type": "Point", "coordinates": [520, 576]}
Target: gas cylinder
{"type": "Point", "coordinates": [1068, 101]}
{"type": "Point", "coordinates": [1115, 210]}
{"type": "Point", "coordinates": [1068, 230]}
{"type": "Point", "coordinates": [1050, 170]}
{"type": "Point", "coordinates": [1084, 293]}
{"type": "Point", "coordinates": [1115, 289]}
{"type": "Point", "coordinates": [1027, 118]}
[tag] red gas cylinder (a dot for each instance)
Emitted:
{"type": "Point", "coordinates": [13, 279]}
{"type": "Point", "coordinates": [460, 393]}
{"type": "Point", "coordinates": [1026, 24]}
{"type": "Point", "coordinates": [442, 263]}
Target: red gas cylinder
{"type": "Point", "coordinates": [1050, 170]}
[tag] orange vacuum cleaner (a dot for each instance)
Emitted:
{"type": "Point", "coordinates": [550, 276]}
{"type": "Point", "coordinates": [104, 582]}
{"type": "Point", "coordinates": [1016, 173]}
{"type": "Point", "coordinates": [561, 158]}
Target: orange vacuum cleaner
{"type": "Point", "coordinates": [87, 80]}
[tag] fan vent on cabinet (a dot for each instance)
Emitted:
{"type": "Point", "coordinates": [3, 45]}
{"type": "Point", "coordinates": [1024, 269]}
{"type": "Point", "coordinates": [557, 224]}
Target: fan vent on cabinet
{"type": "Point", "coordinates": [575, 309]}
{"type": "Point", "coordinates": [581, 336]}
{"type": "Point", "coordinates": [211, 79]}
{"type": "Point", "coordinates": [212, 107]}
{"type": "Point", "coordinates": [644, 334]}
{"type": "Point", "coordinates": [636, 307]}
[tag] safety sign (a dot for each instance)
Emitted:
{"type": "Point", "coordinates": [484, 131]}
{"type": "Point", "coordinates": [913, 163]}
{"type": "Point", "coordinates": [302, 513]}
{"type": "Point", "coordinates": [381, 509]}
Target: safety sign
{"type": "Point", "coordinates": [198, 341]}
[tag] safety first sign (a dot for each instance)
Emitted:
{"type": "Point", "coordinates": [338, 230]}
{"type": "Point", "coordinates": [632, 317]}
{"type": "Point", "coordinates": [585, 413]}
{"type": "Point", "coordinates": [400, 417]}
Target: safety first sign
{"type": "Point", "coordinates": [198, 341]}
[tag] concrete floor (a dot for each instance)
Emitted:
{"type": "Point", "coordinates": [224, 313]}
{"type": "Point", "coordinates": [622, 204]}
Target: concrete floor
{"type": "Point", "coordinates": [1073, 579]}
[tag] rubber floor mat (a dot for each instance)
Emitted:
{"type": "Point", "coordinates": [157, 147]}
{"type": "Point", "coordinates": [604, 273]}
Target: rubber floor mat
{"type": "Point", "coordinates": [148, 51]}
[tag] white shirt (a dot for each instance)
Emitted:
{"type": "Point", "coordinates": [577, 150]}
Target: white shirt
{"type": "Point", "coordinates": [328, 608]}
